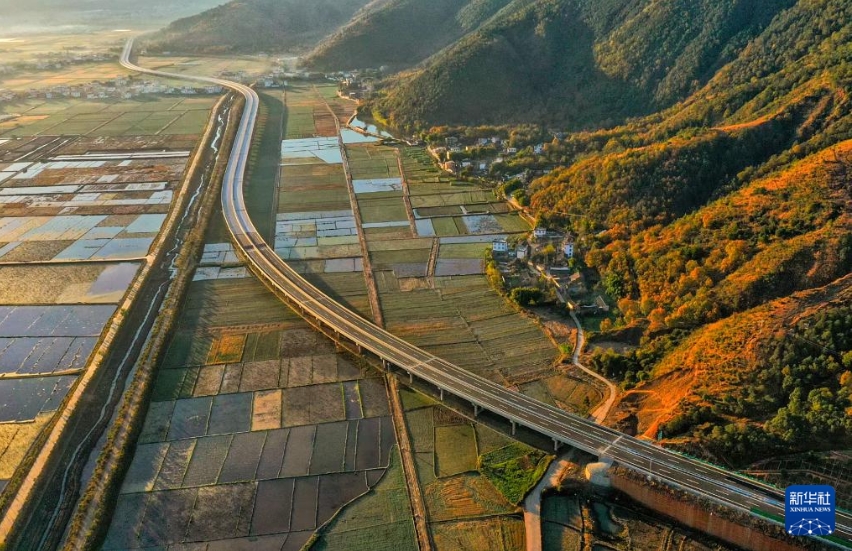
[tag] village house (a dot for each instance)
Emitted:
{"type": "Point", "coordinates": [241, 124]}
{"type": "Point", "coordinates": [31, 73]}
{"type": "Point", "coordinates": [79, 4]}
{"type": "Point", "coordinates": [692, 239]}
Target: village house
{"type": "Point", "coordinates": [500, 246]}
{"type": "Point", "coordinates": [568, 246]}
{"type": "Point", "coordinates": [522, 251]}
{"type": "Point", "coordinates": [540, 232]}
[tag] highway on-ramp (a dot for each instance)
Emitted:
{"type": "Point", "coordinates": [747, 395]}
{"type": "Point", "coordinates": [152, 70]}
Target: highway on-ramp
{"type": "Point", "coordinates": [685, 473]}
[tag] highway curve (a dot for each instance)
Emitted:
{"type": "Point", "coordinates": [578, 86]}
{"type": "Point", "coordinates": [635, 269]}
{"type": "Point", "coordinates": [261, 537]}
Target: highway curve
{"type": "Point", "coordinates": [702, 479]}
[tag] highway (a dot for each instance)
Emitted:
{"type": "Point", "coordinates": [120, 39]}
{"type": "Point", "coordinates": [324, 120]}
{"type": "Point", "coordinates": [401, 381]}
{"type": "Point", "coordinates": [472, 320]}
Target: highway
{"type": "Point", "coordinates": [699, 478]}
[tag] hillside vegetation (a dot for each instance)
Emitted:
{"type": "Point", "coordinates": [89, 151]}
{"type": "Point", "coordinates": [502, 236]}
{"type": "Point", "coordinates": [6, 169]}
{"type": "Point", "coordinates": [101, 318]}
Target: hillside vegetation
{"type": "Point", "coordinates": [251, 26]}
{"type": "Point", "coordinates": [577, 63]}
{"type": "Point", "coordinates": [399, 33]}
{"type": "Point", "coordinates": [773, 380]}
{"type": "Point", "coordinates": [721, 228]}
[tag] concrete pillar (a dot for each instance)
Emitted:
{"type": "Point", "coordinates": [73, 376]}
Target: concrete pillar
{"type": "Point", "coordinates": [556, 444]}
{"type": "Point", "coordinates": [442, 394]}
{"type": "Point", "coordinates": [410, 378]}
{"type": "Point", "coordinates": [514, 427]}
{"type": "Point", "coordinates": [475, 410]}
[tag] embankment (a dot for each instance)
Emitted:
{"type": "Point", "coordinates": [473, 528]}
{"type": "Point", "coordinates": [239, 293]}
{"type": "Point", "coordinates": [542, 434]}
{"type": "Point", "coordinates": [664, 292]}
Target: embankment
{"type": "Point", "coordinates": [743, 531]}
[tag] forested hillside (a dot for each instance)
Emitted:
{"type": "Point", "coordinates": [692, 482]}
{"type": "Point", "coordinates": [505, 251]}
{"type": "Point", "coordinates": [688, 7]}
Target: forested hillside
{"type": "Point", "coordinates": [251, 26]}
{"type": "Point", "coordinates": [577, 63]}
{"type": "Point", "coordinates": [398, 33]}
{"type": "Point", "coordinates": [721, 228]}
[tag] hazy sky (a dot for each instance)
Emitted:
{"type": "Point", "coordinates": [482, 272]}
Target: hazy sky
{"type": "Point", "coordinates": [22, 16]}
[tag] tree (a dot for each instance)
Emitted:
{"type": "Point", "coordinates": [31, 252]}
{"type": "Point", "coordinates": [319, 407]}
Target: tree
{"type": "Point", "coordinates": [526, 296]}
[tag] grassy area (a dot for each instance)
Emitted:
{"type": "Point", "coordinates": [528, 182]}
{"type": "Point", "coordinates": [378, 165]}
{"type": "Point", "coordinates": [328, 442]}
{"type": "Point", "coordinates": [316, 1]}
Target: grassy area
{"type": "Point", "coordinates": [514, 469]}
{"type": "Point", "coordinates": [264, 163]}
{"type": "Point", "coordinates": [455, 449]}
{"type": "Point", "coordinates": [464, 250]}
{"type": "Point", "coordinates": [495, 534]}
{"type": "Point", "coordinates": [15, 440]}
{"type": "Point", "coordinates": [208, 65]}
{"type": "Point", "coordinates": [226, 349]}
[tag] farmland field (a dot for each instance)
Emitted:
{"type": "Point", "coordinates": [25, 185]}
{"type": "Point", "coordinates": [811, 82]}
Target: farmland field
{"type": "Point", "coordinates": [75, 228]}
{"type": "Point", "coordinates": [381, 520]}
{"type": "Point", "coordinates": [254, 418]}
{"type": "Point", "coordinates": [453, 314]}
{"type": "Point", "coordinates": [137, 117]}
{"type": "Point", "coordinates": [34, 47]}
{"type": "Point", "coordinates": [505, 533]}
{"type": "Point", "coordinates": [315, 224]}
{"type": "Point", "coordinates": [208, 66]}
{"type": "Point", "coordinates": [69, 76]}
{"type": "Point", "coordinates": [447, 450]}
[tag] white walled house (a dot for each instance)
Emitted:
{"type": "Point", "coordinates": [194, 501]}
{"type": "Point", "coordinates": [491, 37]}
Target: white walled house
{"type": "Point", "coordinates": [500, 246]}
{"type": "Point", "coordinates": [540, 232]}
{"type": "Point", "coordinates": [568, 247]}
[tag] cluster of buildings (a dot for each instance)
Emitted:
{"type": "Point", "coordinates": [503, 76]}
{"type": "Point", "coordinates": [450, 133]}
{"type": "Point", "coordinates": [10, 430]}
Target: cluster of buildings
{"type": "Point", "coordinates": [546, 254]}
{"type": "Point", "coordinates": [476, 156]}
{"type": "Point", "coordinates": [120, 88]}
{"type": "Point", "coordinates": [541, 238]}
{"type": "Point", "coordinates": [54, 62]}
{"type": "Point", "coordinates": [357, 84]}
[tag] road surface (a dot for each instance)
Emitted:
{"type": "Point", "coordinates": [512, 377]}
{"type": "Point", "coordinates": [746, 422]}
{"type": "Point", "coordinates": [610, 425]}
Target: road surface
{"type": "Point", "coordinates": [701, 479]}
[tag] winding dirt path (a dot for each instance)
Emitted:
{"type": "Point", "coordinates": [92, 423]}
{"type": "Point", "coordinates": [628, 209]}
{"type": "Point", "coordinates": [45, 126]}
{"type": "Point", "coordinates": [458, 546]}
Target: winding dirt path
{"type": "Point", "coordinates": [602, 410]}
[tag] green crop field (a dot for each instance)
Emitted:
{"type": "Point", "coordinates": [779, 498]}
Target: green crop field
{"type": "Point", "coordinates": [455, 450]}
{"type": "Point", "coordinates": [464, 250]}
{"type": "Point", "coordinates": [371, 161]}
{"type": "Point", "coordinates": [142, 117]}
{"type": "Point", "coordinates": [382, 209]}
{"type": "Point", "coordinates": [380, 521]}
{"type": "Point", "coordinates": [445, 227]}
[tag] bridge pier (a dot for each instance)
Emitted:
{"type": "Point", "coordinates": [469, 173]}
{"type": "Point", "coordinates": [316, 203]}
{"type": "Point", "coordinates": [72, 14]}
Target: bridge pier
{"type": "Point", "coordinates": [410, 378]}
{"type": "Point", "coordinates": [556, 444]}
{"type": "Point", "coordinates": [442, 394]}
{"type": "Point", "coordinates": [514, 427]}
{"type": "Point", "coordinates": [475, 410]}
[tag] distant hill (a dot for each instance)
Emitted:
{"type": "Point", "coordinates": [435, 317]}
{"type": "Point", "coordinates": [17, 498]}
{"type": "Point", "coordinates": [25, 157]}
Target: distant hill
{"type": "Point", "coordinates": [250, 26]}
{"type": "Point", "coordinates": [576, 63]}
{"type": "Point", "coordinates": [399, 33]}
